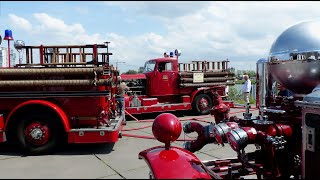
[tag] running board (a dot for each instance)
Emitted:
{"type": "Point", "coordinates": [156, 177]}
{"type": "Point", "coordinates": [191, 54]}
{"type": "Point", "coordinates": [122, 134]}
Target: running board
{"type": "Point", "coordinates": [102, 134]}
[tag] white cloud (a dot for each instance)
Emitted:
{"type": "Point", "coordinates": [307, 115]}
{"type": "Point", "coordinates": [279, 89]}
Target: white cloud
{"type": "Point", "coordinates": [242, 32]}
{"type": "Point", "coordinates": [19, 22]}
{"type": "Point", "coordinates": [168, 9]}
{"type": "Point", "coordinates": [52, 30]}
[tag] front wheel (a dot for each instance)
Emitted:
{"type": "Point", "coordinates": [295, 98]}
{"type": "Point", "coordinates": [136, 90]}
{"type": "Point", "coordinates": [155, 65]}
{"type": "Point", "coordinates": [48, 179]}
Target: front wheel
{"type": "Point", "coordinates": [39, 133]}
{"type": "Point", "coordinates": [202, 104]}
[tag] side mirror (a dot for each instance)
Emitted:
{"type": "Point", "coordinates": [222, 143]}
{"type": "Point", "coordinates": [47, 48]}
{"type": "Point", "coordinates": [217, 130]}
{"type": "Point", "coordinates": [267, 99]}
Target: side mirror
{"type": "Point", "coordinates": [0, 40]}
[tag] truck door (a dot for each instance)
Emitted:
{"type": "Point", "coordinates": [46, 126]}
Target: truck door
{"type": "Point", "coordinates": [166, 79]}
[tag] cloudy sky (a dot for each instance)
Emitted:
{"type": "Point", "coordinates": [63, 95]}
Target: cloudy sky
{"type": "Point", "coordinates": [242, 32]}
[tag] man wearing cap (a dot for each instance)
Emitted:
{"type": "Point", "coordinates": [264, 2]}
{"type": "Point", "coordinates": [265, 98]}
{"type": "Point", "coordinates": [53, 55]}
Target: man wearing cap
{"type": "Point", "coordinates": [120, 97]}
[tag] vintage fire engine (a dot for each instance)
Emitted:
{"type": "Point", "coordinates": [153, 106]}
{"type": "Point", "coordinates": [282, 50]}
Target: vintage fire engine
{"type": "Point", "coordinates": [67, 96]}
{"type": "Point", "coordinates": [167, 85]}
{"type": "Point", "coordinates": [286, 132]}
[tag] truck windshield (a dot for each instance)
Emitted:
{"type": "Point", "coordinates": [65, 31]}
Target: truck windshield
{"type": "Point", "coordinates": [149, 66]}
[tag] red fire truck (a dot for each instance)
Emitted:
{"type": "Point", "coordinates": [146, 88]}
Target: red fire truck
{"type": "Point", "coordinates": [167, 85]}
{"type": "Point", "coordinates": [59, 94]}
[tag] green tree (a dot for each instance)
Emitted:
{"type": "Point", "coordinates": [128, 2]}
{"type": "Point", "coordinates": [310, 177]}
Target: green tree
{"type": "Point", "coordinates": [140, 71]}
{"type": "Point", "coordinates": [131, 71]}
{"type": "Point", "coordinates": [252, 74]}
{"type": "Point", "coordinates": [237, 96]}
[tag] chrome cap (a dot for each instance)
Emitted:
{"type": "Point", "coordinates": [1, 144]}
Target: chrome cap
{"type": "Point", "coordinates": [294, 58]}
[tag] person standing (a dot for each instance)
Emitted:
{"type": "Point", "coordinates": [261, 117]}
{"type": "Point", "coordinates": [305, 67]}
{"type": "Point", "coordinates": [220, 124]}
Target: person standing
{"type": "Point", "coordinates": [283, 91]}
{"type": "Point", "coordinates": [226, 91]}
{"type": "Point", "coordinates": [246, 89]}
{"type": "Point", "coordinates": [120, 97]}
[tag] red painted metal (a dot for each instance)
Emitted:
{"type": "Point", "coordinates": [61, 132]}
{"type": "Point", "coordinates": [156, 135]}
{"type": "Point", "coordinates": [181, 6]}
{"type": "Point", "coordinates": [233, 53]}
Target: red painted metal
{"type": "Point", "coordinates": [163, 83]}
{"type": "Point", "coordinates": [95, 54]}
{"type": "Point", "coordinates": [41, 52]}
{"type": "Point", "coordinates": [2, 136]}
{"type": "Point", "coordinates": [2, 133]}
{"type": "Point", "coordinates": [132, 76]}
{"type": "Point", "coordinates": [251, 132]}
{"type": "Point", "coordinates": [284, 130]}
{"type": "Point", "coordinates": [93, 136]}
{"type": "Point", "coordinates": [205, 135]}
{"type": "Point", "coordinates": [9, 54]}
{"type": "Point", "coordinates": [52, 106]}
{"type": "Point", "coordinates": [149, 101]}
{"type": "Point", "coordinates": [175, 163]}
{"type": "Point", "coordinates": [158, 108]}
{"type": "Point", "coordinates": [1, 122]}
{"type": "Point", "coordinates": [166, 128]}
{"type": "Point", "coordinates": [185, 99]}
{"type": "Point", "coordinates": [220, 111]}
{"type": "Point", "coordinates": [37, 133]}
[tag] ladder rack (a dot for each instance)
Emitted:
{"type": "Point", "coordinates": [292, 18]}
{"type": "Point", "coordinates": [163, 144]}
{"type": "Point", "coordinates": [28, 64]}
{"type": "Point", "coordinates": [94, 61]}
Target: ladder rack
{"type": "Point", "coordinates": [68, 55]}
{"type": "Point", "coordinates": [204, 66]}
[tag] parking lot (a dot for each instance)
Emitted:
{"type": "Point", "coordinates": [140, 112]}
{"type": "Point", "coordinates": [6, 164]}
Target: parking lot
{"type": "Point", "coordinates": [102, 161]}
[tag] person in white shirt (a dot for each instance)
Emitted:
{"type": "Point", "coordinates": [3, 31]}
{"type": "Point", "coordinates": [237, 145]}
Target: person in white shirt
{"type": "Point", "coordinates": [226, 91]}
{"type": "Point", "coordinates": [246, 88]}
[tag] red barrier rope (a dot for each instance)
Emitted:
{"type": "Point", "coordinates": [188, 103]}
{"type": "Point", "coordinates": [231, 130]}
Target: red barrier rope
{"type": "Point", "coordinates": [131, 129]}
{"type": "Point", "coordinates": [151, 137]}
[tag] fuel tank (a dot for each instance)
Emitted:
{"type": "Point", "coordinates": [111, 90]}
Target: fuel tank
{"type": "Point", "coordinates": [294, 59]}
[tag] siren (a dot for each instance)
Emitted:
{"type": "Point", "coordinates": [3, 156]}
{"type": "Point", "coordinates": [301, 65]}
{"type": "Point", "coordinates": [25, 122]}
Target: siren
{"type": "Point", "coordinates": [171, 54]}
{"type": "Point", "coordinates": [8, 35]}
{"type": "Point", "coordinates": [177, 52]}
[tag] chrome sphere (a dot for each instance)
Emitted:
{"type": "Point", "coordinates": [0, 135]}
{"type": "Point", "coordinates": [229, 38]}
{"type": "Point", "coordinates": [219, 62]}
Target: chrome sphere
{"type": "Point", "coordinates": [294, 59]}
{"type": "Point", "coordinates": [18, 44]}
{"type": "Point", "coordinates": [166, 128]}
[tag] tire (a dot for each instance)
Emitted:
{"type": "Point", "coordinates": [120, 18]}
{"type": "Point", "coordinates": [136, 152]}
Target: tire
{"type": "Point", "coordinates": [202, 99]}
{"type": "Point", "coordinates": [39, 133]}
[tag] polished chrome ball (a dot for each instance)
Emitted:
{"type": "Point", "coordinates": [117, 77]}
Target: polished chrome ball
{"type": "Point", "coordinates": [18, 44]}
{"type": "Point", "coordinates": [294, 59]}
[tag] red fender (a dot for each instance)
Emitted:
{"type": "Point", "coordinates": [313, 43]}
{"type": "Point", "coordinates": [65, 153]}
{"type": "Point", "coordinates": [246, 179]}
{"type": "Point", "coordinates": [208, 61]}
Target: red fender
{"type": "Point", "coordinates": [194, 93]}
{"type": "Point", "coordinates": [175, 163]}
{"type": "Point", "coordinates": [204, 90]}
{"type": "Point", "coordinates": [52, 106]}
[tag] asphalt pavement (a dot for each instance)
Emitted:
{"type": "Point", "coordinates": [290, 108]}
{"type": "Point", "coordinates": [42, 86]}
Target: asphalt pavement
{"type": "Point", "coordinates": [104, 161]}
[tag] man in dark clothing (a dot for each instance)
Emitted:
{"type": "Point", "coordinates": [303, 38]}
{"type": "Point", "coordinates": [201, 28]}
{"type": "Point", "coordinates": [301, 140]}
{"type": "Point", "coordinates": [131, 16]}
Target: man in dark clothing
{"type": "Point", "coordinates": [284, 91]}
{"type": "Point", "coordinates": [120, 96]}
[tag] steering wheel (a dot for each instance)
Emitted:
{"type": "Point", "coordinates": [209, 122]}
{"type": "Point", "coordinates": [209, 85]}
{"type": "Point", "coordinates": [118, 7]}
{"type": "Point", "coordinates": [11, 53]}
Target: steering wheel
{"type": "Point", "coordinates": [149, 69]}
